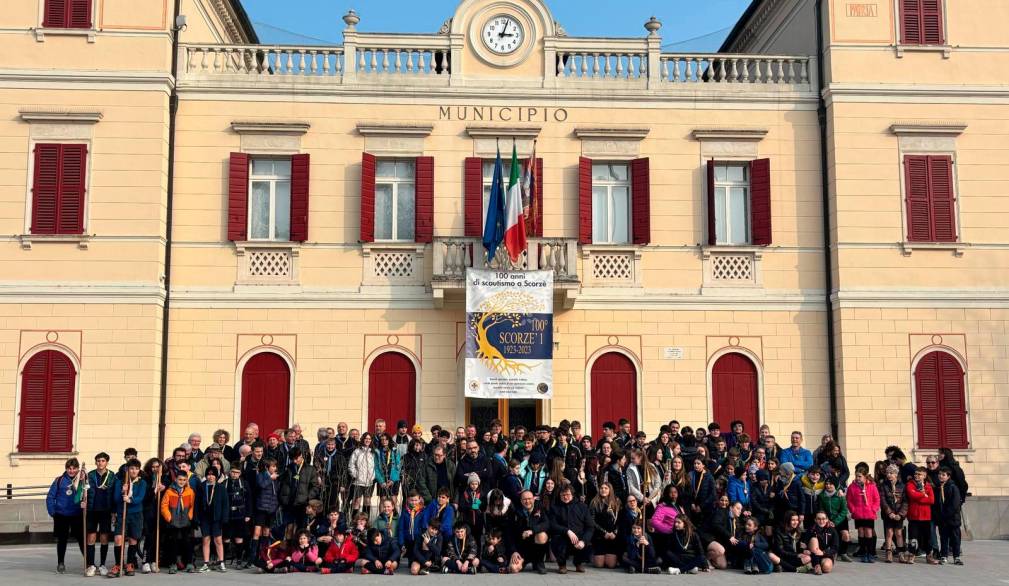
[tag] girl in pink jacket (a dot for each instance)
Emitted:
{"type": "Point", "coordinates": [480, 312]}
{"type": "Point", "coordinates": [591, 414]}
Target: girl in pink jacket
{"type": "Point", "coordinates": [863, 503]}
{"type": "Point", "coordinates": [303, 558]}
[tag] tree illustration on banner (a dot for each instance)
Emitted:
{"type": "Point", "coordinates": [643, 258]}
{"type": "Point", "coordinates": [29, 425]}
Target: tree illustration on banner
{"type": "Point", "coordinates": [508, 307]}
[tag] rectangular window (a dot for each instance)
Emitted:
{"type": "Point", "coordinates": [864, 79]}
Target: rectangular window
{"type": "Point", "coordinates": [488, 181]}
{"type": "Point", "coordinates": [611, 204]}
{"type": "Point", "coordinates": [67, 14]}
{"type": "Point", "coordinates": [58, 186]}
{"type": "Point", "coordinates": [395, 200]}
{"type": "Point", "coordinates": [270, 200]}
{"type": "Point", "coordinates": [930, 198]}
{"type": "Point", "coordinates": [732, 204]}
{"type": "Point", "coordinates": [921, 22]}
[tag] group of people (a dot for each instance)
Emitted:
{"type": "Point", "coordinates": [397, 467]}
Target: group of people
{"type": "Point", "coordinates": [687, 501]}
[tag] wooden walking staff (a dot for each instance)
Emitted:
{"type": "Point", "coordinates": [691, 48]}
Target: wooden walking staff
{"type": "Point", "coordinates": [83, 477]}
{"type": "Point", "coordinates": [128, 488]}
{"type": "Point", "coordinates": [157, 528]}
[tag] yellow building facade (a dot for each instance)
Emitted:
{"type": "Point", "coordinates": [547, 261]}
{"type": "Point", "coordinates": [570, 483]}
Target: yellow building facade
{"type": "Point", "coordinates": [323, 203]}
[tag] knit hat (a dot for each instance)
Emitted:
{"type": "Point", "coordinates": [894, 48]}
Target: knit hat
{"type": "Point", "coordinates": [401, 424]}
{"type": "Point", "coordinates": [214, 448]}
{"type": "Point", "coordinates": [892, 469]}
{"type": "Point", "coordinates": [273, 436]}
{"type": "Point", "coordinates": [788, 467]}
{"type": "Point", "coordinates": [474, 477]}
{"type": "Point", "coordinates": [763, 475]}
{"type": "Point", "coordinates": [417, 428]}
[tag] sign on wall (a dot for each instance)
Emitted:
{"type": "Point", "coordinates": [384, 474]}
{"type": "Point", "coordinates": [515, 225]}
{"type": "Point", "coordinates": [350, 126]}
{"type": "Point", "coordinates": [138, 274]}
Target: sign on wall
{"type": "Point", "coordinates": [509, 334]}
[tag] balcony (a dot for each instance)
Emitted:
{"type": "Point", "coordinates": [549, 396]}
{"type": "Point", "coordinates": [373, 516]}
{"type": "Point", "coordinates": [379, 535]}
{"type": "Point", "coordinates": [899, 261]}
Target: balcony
{"type": "Point", "coordinates": [452, 256]}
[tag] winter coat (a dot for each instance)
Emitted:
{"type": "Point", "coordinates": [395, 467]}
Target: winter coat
{"type": "Point", "coordinates": [826, 538]}
{"type": "Point", "coordinates": [387, 465]}
{"type": "Point", "coordinates": [663, 519]}
{"type": "Point", "coordinates": [787, 544]}
{"type": "Point", "coordinates": [574, 517]}
{"type": "Point", "coordinates": [636, 481]}
{"type": "Point", "coordinates": [388, 527]}
{"type": "Point", "coordinates": [788, 495]}
{"type": "Point", "coordinates": [428, 483]}
{"type": "Point", "coordinates": [447, 516]}
{"type": "Point", "coordinates": [267, 494]}
{"type": "Point", "coordinates": [738, 490]}
{"type": "Point", "coordinates": [432, 550]}
{"type": "Point", "coordinates": [411, 526]}
{"type": "Point", "coordinates": [342, 552]}
{"type": "Point", "coordinates": [298, 485]}
{"type": "Point", "coordinates": [802, 458]}
{"type": "Point", "coordinates": [810, 496]}
{"type": "Point", "coordinates": [101, 493]}
{"type": "Point", "coordinates": [411, 468]}
{"type": "Point", "coordinates": [618, 480]}
{"type": "Point", "coordinates": [305, 556]}
{"type": "Point", "coordinates": [212, 503]}
{"type": "Point", "coordinates": [835, 507]}
{"type": "Point", "coordinates": [380, 552]}
{"type": "Point", "coordinates": [201, 468]}
{"type": "Point", "coordinates": [239, 499]}
{"type": "Point", "coordinates": [362, 466]}
{"type": "Point", "coordinates": [863, 501]}
{"type": "Point", "coordinates": [176, 500]}
{"type": "Point", "coordinates": [893, 498]}
{"type": "Point", "coordinates": [466, 466]}
{"type": "Point", "coordinates": [58, 502]}
{"type": "Point", "coordinates": [521, 520]}
{"type": "Point", "coordinates": [722, 526]}
{"type": "Point", "coordinates": [920, 501]}
{"type": "Point", "coordinates": [136, 500]}
{"type": "Point", "coordinates": [761, 506]}
{"type": "Point", "coordinates": [702, 490]}
{"type": "Point", "coordinates": [460, 549]}
{"type": "Point", "coordinates": [947, 496]}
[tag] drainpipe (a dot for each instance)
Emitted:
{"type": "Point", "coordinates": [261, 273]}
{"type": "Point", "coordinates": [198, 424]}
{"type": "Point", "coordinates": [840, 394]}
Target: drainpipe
{"type": "Point", "coordinates": [173, 109]}
{"type": "Point", "coordinates": [821, 115]}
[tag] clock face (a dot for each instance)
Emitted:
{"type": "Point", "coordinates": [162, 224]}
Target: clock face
{"type": "Point", "coordinates": [503, 34]}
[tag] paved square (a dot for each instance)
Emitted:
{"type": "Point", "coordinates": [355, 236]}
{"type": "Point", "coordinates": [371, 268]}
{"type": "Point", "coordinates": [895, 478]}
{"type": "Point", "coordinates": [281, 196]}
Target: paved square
{"type": "Point", "coordinates": [986, 564]}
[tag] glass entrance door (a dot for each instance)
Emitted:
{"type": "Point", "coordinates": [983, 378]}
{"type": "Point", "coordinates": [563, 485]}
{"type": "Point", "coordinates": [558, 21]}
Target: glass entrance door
{"type": "Point", "coordinates": [511, 412]}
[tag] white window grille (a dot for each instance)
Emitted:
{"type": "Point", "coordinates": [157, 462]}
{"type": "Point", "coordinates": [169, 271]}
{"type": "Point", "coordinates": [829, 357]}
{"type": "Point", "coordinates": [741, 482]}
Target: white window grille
{"type": "Point", "coordinates": [395, 201]}
{"type": "Point", "coordinates": [732, 204]}
{"type": "Point", "coordinates": [611, 204]}
{"type": "Point", "coordinates": [270, 200]}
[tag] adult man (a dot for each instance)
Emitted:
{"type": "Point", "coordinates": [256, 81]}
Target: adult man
{"type": "Point", "coordinates": [344, 442]}
{"type": "Point", "coordinates": [571, 529]}
{"type": "Point", "coordinates": [213, 458]}
{"type": "Point", "coordinates": [799, 456]}
{"type": "Point", "coordinates": [474, 462]}
{"type": "Point", "coordinates": [609, 435]}
{"type": "Point", "coordinates": [196, 454]}
{"type": "Point", "coordinates": [529, 527]}
{"type": "Point", "coordinates": [321, 434]}
{"type": "Point", "coordinates": [249, 437]}
{"type": "Point", "coordinates": [402, 438]}
{"type": "Point", "coordinates": [298, 485]}
{"type": "Point", "coordinates": [624, 436]}
{"type": "Point", "coordinates": [379, 428]}
{"type": "Point", "coordinates": [301, 442]}
{"type": "Point", "coordinates": [438, 473]}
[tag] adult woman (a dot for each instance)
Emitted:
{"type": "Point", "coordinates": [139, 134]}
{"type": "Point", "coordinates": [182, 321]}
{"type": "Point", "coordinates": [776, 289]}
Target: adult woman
{"type": "Point", "coordinates": [834, 464]}
{"type": "Point", "coordinates": [157, 480]}
{"type": "Point", "coordinates": [616, 475]}
{"type": "Point", "coordinates": [605, 512]}
{"type": "Point", "coordinates": [702, 496]}
{"type": "Point", "coordinates": [387, 470]}
{"type": "Point", "coordinates": [948, 460]}
{"type": "Point", "coordinates": [723, 531]}
{"type": "Point", "coordinates": [631, 515]}
{"type": "Point", "coordinates": [362, 473]}
{"type": "Point", "coordinates": [787, 546]}
{"type": "Point", "coordinates": [222, 438]}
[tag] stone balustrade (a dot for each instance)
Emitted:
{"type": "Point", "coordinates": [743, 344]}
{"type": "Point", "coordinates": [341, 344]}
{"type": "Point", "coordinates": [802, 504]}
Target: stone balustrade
{"type": "Point", "coordinates": [264, 60]}
{"type": "Point", "coordinates": [452, 256]}
{"type": "Point", "coordinates": [724, 68]}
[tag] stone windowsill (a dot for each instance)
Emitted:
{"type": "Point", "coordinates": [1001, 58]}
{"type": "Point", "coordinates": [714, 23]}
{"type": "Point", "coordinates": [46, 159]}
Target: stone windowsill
{"type": "Point", "coordinates": [957, 248]}
{"type": "Point", "coordinates": [18, 457]}
{"type": "Point", "coordinates": [918, 455]}
{"type": "Point", "coordinates": [82, 240]}
{"type": "Point", "coordinates": [241, 247]}
{"type": "Point", "coordinates": [946, 50]}
{"type": "Point", "coordinates": [708, 249]}
{"type": "Point", "coordinates": [42, 32]}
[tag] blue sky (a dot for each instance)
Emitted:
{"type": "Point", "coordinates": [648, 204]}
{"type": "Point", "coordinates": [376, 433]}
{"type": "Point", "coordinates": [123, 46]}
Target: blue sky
{"type": "Point", "coordinates": [688, 25]}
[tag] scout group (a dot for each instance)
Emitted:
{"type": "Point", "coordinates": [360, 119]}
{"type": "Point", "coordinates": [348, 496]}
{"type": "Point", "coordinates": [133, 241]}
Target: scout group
{"type": "Point", "coordinates": [687, 501]}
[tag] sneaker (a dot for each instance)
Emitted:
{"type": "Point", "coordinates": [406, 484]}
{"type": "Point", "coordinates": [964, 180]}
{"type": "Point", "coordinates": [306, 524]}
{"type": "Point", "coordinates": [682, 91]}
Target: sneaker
{"type": "Point", "coordinates": [674, 571]}
{"type": "Point", "coordinates": [844, 558]}
{"type": "Point", "coordinates": [222, 568]}
{"type": "Point", "coordinates": [114, 572]}
{"type": "Point", "coordinates": [957, 562]}
{"type": "Point", "coordinates": [630, 570]}
{"type": "Point", "coordinates": [191, 569]}
{"type": "Point", "coordinates": [146, 568]}
{"type": "Point", "coordinates": [424, 572]}
{"type": "Point", "coordinates": [172, 570]}
{"type": "Point", "coordinates": [443, 570]}
{"type": "Point", "coordinates": [654, 570]}
{"type": "Point", "coordinates": [130, 570]}
{"type": "Point", "coordinates": [693, 571]}
{"type": "Point", "coordinates": [204, 568]}
{"type": "Point", "coordinates": [91, 571]}
{"type": "Point", "coordinates": [869, 559]}
{"type": "Point", "coordinates": [103, 571]}
{"type": "Point", "coordinates": [61, 569]}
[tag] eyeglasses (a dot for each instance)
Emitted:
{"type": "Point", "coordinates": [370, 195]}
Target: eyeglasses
{"type": "Point", "coordinates": [931, 462]}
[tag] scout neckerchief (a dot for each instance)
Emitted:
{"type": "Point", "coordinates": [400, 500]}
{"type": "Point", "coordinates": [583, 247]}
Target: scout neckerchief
{"type": "Point", "coordinates": [297, 473]}
{"type": "Point", "coordinates": [103, 480]}
{"type": "Point", "coordinates": [414, 511]}
{"type": "Point", "coordinates": [387, 469]}
{"type": "Point", "coordinates": [210, 495]}
{"type": "Point", "coordinates": [942, 493]}
{"type": "Point", "coordinates": [460, 547]}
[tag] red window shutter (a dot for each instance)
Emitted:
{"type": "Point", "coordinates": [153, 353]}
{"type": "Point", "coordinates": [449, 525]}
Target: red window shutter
{"type": "Point", "coordinates": [928, 402]}
{"type": "Point", "coordinates": [760, 201]}
{"type": "Point", "coordinates": [368, 167]}
{"type": "Point", "coordinates": [910, 22]}
{"type": "Point", "coordinates": [473, 197]}
{"type": "Point", "coordinates": [47, 404]}
{"type": "Point", "coordinates": [61, 404]}
{"type": "Point", "coordinates": [424, 205]}
{"type": "Point", "coordinates": [45, 188]}
{"type": "Point", "coordinates": [79, 15]}
{"type": "Point", "coordinates": [300, 175]}
{"type": "Point", "coordinates": [940, 177]}
{"type": "Point", "coordinates": [712, 230]}
{"type": "Point", "coordinates": [55, 14]}
{"type": "Point", "coordinates": [584, 200]}
{"type": "Point", "coordinates": [919, 216]}
{"type": "Point", "coordinates": [641, 202]}
{"type": "Point", "coordinates": [32, 418]}
{"type": "Point", "coordinates": [238, 197]}
{"type": "Point", "coordinates": [953, 403]}
{"type": "Point", "coordinates": [537, 231]}
{"type": "Point", "coordinates": [73, 174]}
{"type": "Point", "coordinates": [932, 32]}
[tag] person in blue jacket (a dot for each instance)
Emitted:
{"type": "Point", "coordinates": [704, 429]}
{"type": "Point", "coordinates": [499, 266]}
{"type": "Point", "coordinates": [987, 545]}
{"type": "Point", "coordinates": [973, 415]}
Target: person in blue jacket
{"type": "Point", "coordinates": [738, 488]}
{"type": "Point", "coordinates": [100, 499]}
{"type": "Point", "coordinates": [64, 506]}
{"type": "Point", "coordinates": [213, 509]}
{"type": "Point", "coordinates": [387, 465]}
{"type": "Point", "coordinates": [131, 491]}
{"type": "Point", "coordinates": [441, 510]}
{"type": "Point", "coordinates": [411, 524]}
{"type": "Point", "coordinates": [797, 455]}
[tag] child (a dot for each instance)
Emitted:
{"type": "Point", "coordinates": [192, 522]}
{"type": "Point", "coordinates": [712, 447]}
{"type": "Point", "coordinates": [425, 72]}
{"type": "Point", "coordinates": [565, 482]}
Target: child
{"type": "Point", "coordinates": [100, 498]}
{"type": "Point", "coordinates": [130, 491]}
{"type": "Point", "coordinates": [835, 506]}
{"type": "Point", "coordinates": [411, 524]}
{"type": "Point", "coordinates": [752, 549]}
{"type": "Point", "coordinates": [213, 511]}
{"type": "Point", "coordinates": [789, 550]}
{"type": "Point", "coordinates": [440, 509]}
{"type": "Point", "coordinates": [359, 532]}
{"type": "Point", "coordinates": [267, 503]}
{"type": "Point", "coordinates": [822, 542]}
{"type": "Point", "coordinates": [274, 559]}
{"type": "Point", "coordinates": [387, 522]}
{"type": "Point", "coordinates": [65, 509]}
{"type": "Point", "coordinates": [427, 550]}
{"type": "Point", "coordinates": [686, 554]}
{"type": "Point", "coordinates": [640, 553]}
{"type": "Point", "coordinates": [460, 555]}
{"type": "Point", "coordinates": [326, 531]}
{"type": "Point", "coordinates": [810, 487]}
{"type": "Point", "coordinates": [379, 557]}
{"type": "Point", "coordinates": [304, 557]}
{"type": "Point", "coordinates": [239, 514]}
{"type": "Point", "coordinates": [177, 510]}
{"type": "Point", "coordinates": [893, 500]}
{"type": "Point", "coordinates": [863, 503]}
{"type": "Point", "coordinates": [493, 556]}
{"type": "Point", "coordinates": [472, 506]}
{"type": "Point", "coordinates": [920, 498]}
{"type": "Point", "coordinates": [341, 555]}
{"type": "Point", "coordinates": [950, 504]}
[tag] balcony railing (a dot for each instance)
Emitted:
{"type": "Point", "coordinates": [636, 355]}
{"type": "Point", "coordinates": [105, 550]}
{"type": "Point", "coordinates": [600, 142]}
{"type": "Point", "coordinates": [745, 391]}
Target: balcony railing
{"type": "Point", "coordinates": [452, 256]}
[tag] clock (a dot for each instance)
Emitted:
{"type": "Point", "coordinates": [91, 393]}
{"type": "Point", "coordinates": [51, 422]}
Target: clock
{"type": "Point", "coordinates": [503, 34]}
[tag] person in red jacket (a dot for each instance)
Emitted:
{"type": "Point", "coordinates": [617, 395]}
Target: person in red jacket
{"type": "Point", "coordinates": [340, 556]}
{"type": "Point", "coordinates": [863, 503]}
{"type": "Point", "coordinates": [920, 498]}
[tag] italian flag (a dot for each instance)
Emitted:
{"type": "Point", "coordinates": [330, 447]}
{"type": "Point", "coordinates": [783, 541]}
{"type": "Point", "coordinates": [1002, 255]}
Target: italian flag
{"type": "Point", "coordinates": [514, 220]}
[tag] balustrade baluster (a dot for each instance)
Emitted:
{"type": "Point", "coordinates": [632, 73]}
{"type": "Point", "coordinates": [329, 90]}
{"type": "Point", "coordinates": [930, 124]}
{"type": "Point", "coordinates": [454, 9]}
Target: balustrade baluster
{"type": "Point", "coordinates": [608, 67]}
{"type": "Point", "coordinates": [585, 65]}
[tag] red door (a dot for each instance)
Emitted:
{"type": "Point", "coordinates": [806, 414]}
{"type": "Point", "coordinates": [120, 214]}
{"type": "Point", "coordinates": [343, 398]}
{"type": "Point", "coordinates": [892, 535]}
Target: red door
{"type": "Point", "coordinates": [734, 392]}
{"type": "Point", "coordinates": [392, 390]}
{"type": "Point", "coordinates": [266, 393]}
{"type": "Point", "coordinates": [614, 392]}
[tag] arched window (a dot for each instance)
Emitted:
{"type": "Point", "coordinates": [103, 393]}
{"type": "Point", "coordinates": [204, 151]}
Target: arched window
{"type": "Point", "coordinates": [941, 402]}
{"type": "Point", "coordinates": [47, 403]}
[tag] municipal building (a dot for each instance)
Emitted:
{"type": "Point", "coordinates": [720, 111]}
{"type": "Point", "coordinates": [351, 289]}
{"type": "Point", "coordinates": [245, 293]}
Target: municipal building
{"type": "Point", "coordinates": [808, 228]}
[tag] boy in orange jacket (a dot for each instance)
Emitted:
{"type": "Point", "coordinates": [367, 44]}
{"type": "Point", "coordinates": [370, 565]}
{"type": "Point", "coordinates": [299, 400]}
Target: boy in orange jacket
{"type": "Point", "coordinates": [177, 511]}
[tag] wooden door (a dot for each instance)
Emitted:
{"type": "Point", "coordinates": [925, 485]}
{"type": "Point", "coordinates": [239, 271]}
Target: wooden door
{"type": "Point", "coordinates": [392, 390]}
{"type": "Point", "coordinates": [614, 388]}
{"type": "Point", "coordinates": [734, 392]}
{"type": "Point", "coordinates": [266, 393]}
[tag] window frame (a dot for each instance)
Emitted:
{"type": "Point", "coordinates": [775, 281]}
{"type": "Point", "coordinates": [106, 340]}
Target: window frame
{"type": "Point", "coordinates": [727, 185]}
{"type": "Point", "coordinates": [487, 183]}
{"type": "Point", "coordinates": [916, 399]}
{"type": "Point", "coordinates": [901, 46]}
{"type": "Point", "coordinates": [65, 28]}
{"type": "Point", "coordinates": [395, 182]}
{"type": "Point", "coordinates": [75, 363]}
{"type": "Point", "coordinates": [30, 195]}
{"type": "Point", "coordinates": [909, 245]}
{"type": "Point", "coordinates": [609, 184]}
{"type": "Point", "coordinates": [273, 180]}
